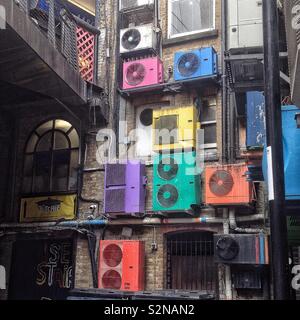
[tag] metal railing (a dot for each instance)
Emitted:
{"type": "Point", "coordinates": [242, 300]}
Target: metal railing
{"type": "Point", "coordinates": [73, 37]}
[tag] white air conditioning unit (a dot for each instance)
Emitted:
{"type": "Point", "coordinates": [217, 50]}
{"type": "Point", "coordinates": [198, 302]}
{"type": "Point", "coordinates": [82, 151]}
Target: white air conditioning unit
{"type": "Point", "coordinates": [144, 118]}
{"type": "Point", "coordinates": [128, 4]}
{"type": "Point", "coordinates": [137, 38]}
{"type": "Point", "coordinates": [244, 23]}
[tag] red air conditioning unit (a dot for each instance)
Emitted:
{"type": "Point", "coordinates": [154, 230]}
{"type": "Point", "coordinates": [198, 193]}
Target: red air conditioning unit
{"type": "Point", "coordinates": [121, 265]}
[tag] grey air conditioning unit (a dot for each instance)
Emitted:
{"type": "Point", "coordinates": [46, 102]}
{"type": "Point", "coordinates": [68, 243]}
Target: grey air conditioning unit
{"type": "Point", "coordinates": [251, 249]}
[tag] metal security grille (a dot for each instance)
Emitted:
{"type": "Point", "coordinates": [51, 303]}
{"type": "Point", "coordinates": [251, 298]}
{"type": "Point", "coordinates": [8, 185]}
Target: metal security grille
{"type": "Point", "coordinates": [86, 49]}
{"type": "Point", "coordinates": [190, 262]}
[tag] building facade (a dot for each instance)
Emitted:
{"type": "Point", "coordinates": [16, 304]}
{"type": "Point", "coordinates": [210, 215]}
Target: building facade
{"type": "Point", "coordinates": [83, 149]}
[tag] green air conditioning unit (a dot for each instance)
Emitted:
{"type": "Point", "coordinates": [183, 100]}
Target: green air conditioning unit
{"type": "Point", "coordinates": [176, 182]}
{"type": "Point", "coordinates": [293, 227]}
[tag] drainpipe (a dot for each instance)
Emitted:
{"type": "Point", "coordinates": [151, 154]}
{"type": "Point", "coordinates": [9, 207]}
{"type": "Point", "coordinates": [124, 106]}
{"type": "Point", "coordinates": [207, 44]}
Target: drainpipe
{"type": "Point", "coordinates": [233, 224]}
{"type": "Point", "coordinates": [228, 284]}
{"type": "Point", "coordinates": [224, 84]}
{"type": "Point", "coordinates": [119, 222]}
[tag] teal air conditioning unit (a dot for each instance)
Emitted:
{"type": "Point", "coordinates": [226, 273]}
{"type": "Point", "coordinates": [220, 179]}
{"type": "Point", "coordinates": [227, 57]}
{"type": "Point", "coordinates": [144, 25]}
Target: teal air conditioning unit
{"type": "Point", "coordinates": [176, 182]}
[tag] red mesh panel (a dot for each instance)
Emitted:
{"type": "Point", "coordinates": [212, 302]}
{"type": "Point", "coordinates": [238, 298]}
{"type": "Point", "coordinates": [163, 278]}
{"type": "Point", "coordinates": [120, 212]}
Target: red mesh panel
{"type": "Point", "coordinates": [86, 49]}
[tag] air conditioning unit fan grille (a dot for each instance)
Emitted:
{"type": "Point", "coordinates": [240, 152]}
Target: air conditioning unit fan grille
{"type": "Point", "coordinates": [167, 196]}
{"type": "Point", "coordinates": [112, 255]}
{"type": "Point", "coordinates": [111, 279]}
{"type": "Point", "coordinates": [115, 200]}
{"type": "Point", "coordinates": [131, 39]}
{"type": "Point", "coordinates": [188, 64]}
{"type": "Point", "coordinates": [115, 174]}
{"type": "Point", "coordinates": [167, 168]}
{"type": "Point", "coordinates": [135, 74]}
{"type": "Point", "coordinates": [221, 183]}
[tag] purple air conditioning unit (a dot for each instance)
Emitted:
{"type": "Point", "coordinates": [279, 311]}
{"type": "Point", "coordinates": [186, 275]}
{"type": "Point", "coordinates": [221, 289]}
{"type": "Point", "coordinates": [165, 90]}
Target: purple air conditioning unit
{"type": "Point", "coordinates": [125, 188]}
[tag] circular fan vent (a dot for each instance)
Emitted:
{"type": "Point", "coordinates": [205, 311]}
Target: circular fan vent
{"type": "Point", "coordinates": [167, 168]}
{"type": "Point", "coordinates": [188, 64]}
{"type": "Point", "coordinates": [227, 248]}
{"type": "Point", "coordinates": [111, 279]}
{"type": "Point", "coordinates": [167, 196]}
{"type": "Point", "coordinates": [135, 74]}
{"type": "Point", "coordinates": [131, 39]}
{"type": "Point", "coordinates": [146, 117]}
{"type": "Point", "coordinates": [221, 183]}
{"type": "Point", "coordinates": [112, 255]}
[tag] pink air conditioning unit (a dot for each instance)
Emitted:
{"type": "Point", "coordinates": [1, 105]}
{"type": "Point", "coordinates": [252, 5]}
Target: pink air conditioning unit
{"type": "Point", "coordinates": [142, 73]}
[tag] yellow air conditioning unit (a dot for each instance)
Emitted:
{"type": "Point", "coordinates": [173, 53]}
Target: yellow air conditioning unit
{"type": "Point", "coordinates": [175, 128]}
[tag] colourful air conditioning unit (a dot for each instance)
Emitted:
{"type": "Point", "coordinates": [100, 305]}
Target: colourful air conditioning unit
{"type": "Point", "coordinates": [252, 249]}
{"type": "Point", "coordinates": [142, 73]}
{"type": "Point", "coordinates": [176, 182]}
{"type": "Point", "coordinates": [125, 188]}
{"type": "Point", "coordinates": [228, 185]}
{"type": "Point", "coordinates": [195, 64]}
{"type": "Point", "coordinates": [291, 152]}
{"type": "Point", "coordinates": [121, 265]}
{"type": "Point", "coordinates": [175, 128]}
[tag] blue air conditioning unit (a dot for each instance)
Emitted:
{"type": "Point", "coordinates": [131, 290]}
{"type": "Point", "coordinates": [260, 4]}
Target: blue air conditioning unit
{"type": "Point", "coordinates": [291, 152]}
{"type": "Point", "coordinates": [195, 64]}
{"type": "Point", "coordinates": [256, 124]}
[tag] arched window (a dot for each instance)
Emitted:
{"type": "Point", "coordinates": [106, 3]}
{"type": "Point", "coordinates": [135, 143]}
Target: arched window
{"type": "Point", "coordinates": [51, 159]}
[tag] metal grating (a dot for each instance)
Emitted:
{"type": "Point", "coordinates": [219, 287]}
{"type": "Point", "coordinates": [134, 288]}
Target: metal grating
{"type": "Point", "coordinates": [115, 174]}
{"type": "Point", "coordinates": [86, 50]}
{"type": "Point", "coordinates": [115, 200]}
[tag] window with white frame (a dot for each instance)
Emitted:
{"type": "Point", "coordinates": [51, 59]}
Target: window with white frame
{"type": "Point", "coordinates": [190, 16]}
{"type": "Point", "coordinates": [208, 121]}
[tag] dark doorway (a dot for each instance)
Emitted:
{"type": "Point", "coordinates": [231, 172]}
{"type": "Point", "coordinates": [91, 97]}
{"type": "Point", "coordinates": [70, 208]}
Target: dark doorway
{"type": "Point", "coordinates": [190, 262]}
{"type": "Point", "coordinates": [41, 270]}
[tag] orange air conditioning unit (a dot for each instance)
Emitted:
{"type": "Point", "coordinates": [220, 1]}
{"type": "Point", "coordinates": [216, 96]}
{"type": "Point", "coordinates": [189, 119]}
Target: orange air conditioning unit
{"type": "Point", "coordinates": [228, 185]}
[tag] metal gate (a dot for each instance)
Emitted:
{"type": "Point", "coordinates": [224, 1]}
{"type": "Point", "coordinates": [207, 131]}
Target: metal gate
{"type": "Point", "coordinates": [190, 262]}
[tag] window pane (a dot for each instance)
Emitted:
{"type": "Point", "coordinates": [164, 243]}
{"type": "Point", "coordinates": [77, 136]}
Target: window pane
{"type": "Point", "coordinates": [61, 160]}
{"type": "Point", "coordinates": [210, 133]}
{"type": "Point", "coordinates": [31, 143]}
{"type": "Point", "coordinates": [191, 15]}
{"type": "Point", "coordinates": [73, 170]}
{"type": "Point", "coordinates": [45, 142]}
{"type": "Point", "coordinates": [60, 141]}
{"type": "Point", "coordinates": [42, 172]}
{"type": "Point", "coordinates": [208, 110]}
{"type": "Point", "coordinates": [44, 127]}
{"type": "Point", "coordinates": [27, 174]}
{"type": "Point", "coordinates": [73, 136]}
{"type": "Point", "coordinates": [62, 125]}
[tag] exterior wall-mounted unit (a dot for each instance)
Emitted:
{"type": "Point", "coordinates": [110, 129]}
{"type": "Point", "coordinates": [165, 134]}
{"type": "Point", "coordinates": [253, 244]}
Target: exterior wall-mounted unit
{"type": "Point", "coordinates": [256, 124]}
{"type": "Point", "coordinates": [244, 23]}
{"type": "Point", "coordinates": [252, 249]}
{"type": "Point", "coordinates": [291, 153]}
{"type": "Point", "coordinates": [142, 73]}
{"type": "Point", "coordinates": [130, 4]}
{"type": "Point", "coordinates": [195, 64]}
{"type": "Point", "coordinates": [228, 185]}
{"type": "Point", "coordinates": [121, 265]}
{"type": "Point", "coordinates": [291, 12]}
{"type": "Point", "coordinates": [137, 39]}
{"type": "Point", "coordinates": [175, 128]}
{"type": "Point", "coordinates": [125, 188]}
{"type": "Point", "coordinates": [176, 182]}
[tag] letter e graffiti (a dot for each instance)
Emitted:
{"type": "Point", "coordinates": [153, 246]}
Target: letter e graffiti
{"type": "Point", "coordinates": [2, 18]}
